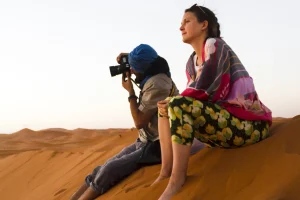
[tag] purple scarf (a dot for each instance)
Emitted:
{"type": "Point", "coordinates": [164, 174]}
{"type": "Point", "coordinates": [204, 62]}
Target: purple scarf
{"type": "Point", "coordinates": [224, 81]}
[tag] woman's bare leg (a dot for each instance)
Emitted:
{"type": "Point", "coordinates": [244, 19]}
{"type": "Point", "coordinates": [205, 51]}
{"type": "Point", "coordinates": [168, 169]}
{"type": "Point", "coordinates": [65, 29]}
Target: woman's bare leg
{"type": "Point", "coordinates": [166, 148]}
{"type": "Point", "coordinates": [181, 154]}
{"type": "Point", "coordinates": [79, 192]}
{"type": "Point", "coordinates": [89, 194]}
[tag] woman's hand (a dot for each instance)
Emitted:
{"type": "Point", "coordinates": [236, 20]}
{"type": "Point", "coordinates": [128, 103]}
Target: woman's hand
{"type": "Point", "coordinates": [163, 107]}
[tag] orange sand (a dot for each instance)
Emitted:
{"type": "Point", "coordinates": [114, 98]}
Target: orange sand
{"type": "Point", "coordinates": [52, 164]}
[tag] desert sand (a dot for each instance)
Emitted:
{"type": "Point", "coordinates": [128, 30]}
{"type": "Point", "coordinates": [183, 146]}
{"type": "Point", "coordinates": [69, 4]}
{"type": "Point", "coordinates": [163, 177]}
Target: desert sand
{"type": "Point", "coordinates": [51, 164]}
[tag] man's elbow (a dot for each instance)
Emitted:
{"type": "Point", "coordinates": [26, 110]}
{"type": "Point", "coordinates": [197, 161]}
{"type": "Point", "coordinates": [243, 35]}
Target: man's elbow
{"type": "Point", "coordinates": [140, 125]}
{"type": "Point", "coordinates": [142, 120]}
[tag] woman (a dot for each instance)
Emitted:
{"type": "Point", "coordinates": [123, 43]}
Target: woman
{"type": "Point", "coordinates": [219, 107]}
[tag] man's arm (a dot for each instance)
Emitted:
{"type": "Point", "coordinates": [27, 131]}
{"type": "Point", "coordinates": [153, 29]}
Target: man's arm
{"type": "Point", "coordinates": [140, 119]}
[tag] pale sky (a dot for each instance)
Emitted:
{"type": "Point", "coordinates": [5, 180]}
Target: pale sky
{"type": "Point", "coordinates": [55, 55]}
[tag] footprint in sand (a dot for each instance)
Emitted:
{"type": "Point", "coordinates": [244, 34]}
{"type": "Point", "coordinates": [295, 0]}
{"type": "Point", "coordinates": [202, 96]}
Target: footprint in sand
{"type": "Point", "coordinates": [59, 192]}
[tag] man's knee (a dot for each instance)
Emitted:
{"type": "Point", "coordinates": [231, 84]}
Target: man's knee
{"type": "Point", "coordinates": [111, 172]}
{"type": "Point", "coordinates": [104, 179]}
{"type": "Point", "coordinates": [114, 171]}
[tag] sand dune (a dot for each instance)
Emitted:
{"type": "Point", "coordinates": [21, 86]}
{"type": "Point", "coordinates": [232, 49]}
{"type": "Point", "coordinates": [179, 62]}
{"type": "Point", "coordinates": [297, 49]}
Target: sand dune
{"type": "Point", "coordinates": [52, 163]}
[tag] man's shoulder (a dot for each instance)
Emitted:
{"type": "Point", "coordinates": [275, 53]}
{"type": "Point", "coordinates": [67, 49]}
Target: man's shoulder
{"type": "Point", "coordinates": [159, 80]}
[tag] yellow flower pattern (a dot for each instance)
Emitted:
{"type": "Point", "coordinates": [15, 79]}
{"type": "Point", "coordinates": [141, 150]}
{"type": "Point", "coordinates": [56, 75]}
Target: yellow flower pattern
{"type": "Point", "coordinates": [224, 144]}
{"type": "Point", "coordinates": [200, 121]}
{"type": "Point", "coordinates": [213, 137]}
{"type": "Point", "coordinates": [176, 139]}
{"type": "Point", "coordinates": [211, 112]}
{"type": "Point", "coordinates": [198, 104]}
{"type": "Point", "coordinates": [221, 136]}
{"type": "Point", "coordinates": [225, 114]}
{"type": "Point", "coordinates": [217, 107]}
{"type": "Point", "coordinates": [255, 136]}
{"type": "Point", "coordinates": [240, 126]}
{"type": "Point", "coordinates": [196, 111]}
{"type": "Point", "coordinates": [171, 114]}
{"type": "Point", "coordinates": [179, 130]}
{"type": "Point", "coordinates": [227, 133]}
{"type": "Point", "coordinates": [178, 113]}
{"type": "Point", "coordinates": [238, 141]}
{"type": "Point", "coordinates": [210, 129]}
{"type": "Point", "coordinates": [188, 119]}
{"type": "Point", "coordinates": [222, 122]}
{"type": "Point", "coordinates": [187, 108]}
{"type": "Point", "coordinates": [265, 133]}
{"type": "Point", "coordinates": [248, 128]}
{"type": "Point", "coordinates": [211, 124]}
{"type": "Point", "coordinates": [189, 99]}
{"type": "Point", "coordinates": [234, 121]}
{"type": "Point", "coordinates": [187, 130]}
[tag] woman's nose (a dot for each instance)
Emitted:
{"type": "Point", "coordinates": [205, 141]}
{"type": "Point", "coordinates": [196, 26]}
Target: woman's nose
{"type": "Point", "coordinates": [181, 27]}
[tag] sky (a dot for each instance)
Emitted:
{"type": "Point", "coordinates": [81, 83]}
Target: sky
{"type": "Point", "coordinates": [55, 55]}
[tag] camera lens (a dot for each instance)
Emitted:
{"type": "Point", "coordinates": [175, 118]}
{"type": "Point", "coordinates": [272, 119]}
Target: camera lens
{"type": "Point", "coordinates": [114, 70]}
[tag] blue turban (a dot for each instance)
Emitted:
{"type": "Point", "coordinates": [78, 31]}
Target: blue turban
{"type": "Point", "coordinates": [141, 57]}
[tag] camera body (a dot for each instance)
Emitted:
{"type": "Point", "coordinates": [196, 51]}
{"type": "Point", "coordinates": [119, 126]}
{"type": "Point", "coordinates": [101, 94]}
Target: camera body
{"type": "Point", "coordinates": [122, 68]}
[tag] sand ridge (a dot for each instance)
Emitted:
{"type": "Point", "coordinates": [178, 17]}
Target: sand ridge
{"type": "Point", "coordinates": [52, 163]}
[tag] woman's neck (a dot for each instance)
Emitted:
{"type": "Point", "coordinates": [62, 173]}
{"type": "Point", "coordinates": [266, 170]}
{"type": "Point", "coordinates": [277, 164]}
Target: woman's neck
{"type": "Point", "coordinates": [198, 47]}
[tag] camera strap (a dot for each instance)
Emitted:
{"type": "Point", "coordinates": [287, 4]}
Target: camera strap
{"type": "Point", "coordinates": [172, 90]}
{"type": "Point", "coordinates": [135, 83]}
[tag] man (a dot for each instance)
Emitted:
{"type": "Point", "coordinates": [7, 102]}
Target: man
{"type": "Point", "coordinates": [153, 76]}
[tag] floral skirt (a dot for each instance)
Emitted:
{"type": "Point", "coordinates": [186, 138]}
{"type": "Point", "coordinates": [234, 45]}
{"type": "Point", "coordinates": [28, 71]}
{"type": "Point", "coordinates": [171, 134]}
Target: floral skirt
{"type": "Point", "coordinates": [211, 124]}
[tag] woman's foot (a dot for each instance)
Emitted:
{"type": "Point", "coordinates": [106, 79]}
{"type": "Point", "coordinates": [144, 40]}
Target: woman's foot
{"type": "Point", "coordinates": [172, 188]}
{"type": "Point", "coordinates": [165, 173]}
{"type": "Point", "coordinates": [160, 178]}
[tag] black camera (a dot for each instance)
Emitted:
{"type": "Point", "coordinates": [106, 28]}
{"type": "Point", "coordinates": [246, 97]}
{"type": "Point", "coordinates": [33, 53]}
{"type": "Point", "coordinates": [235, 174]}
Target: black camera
{"type": "Point", "coordinates": [122, 68]}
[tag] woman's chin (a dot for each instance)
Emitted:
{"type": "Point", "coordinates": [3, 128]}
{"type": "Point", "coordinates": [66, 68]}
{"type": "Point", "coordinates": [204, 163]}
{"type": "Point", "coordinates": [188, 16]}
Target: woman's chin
{"type": "Point", "coordinates": [185, 40]}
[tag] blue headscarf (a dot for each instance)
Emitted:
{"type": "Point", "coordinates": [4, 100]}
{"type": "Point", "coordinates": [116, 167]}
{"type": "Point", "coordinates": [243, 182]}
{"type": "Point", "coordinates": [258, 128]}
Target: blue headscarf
{"type": "Point", "coordinates": [141, 57]}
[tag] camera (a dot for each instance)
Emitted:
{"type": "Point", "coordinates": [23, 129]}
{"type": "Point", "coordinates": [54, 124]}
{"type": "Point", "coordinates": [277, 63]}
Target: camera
{"type": "Point", "coordinates": [122, 68]}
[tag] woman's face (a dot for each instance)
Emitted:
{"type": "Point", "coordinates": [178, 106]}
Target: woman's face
{"type": "Point", "coordinates": [190, 28]}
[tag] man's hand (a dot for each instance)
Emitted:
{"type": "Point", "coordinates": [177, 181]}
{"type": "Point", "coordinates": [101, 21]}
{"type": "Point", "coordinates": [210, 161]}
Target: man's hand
{"type": "Point", "coordinates": [119, 57]}
{"type": "Point", "coordinates": [163, 107]}
{"type": "Point", "coordinates": [127, 84]}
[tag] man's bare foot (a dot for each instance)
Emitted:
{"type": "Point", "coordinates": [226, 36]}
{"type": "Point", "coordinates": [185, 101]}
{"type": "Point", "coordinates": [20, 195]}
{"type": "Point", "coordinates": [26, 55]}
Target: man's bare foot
{"type": "Point", "coordinates": [160, 178]}
{"type": "Point", "coordinates": [172, 188]}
